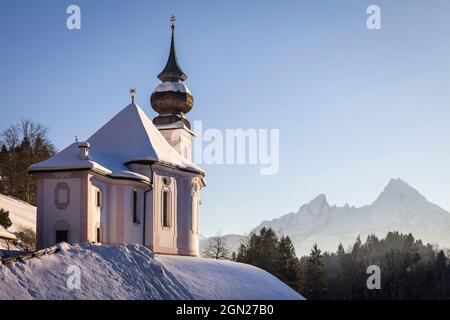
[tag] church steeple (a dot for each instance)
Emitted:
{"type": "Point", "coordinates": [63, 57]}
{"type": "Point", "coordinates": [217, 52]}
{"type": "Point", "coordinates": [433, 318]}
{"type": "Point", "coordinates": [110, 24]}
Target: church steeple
{"type": "Point", "coordinates": [172, 70]}
{"type": "Point", "coordinates": [171, 99]}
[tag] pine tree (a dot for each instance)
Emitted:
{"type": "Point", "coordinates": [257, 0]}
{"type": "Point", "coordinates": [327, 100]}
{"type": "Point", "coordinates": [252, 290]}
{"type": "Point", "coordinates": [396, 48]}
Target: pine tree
{"type": "Point", "coordinates": [242, 254]}
{"type": "Point", "coordinates": [261, 250]}
{"type": "Point", "coordinates": [4, 169]}
{"type": "Point", "coordinates": [314, 287]}
{"type": "Point", "coordinates": [267, 251]}
{"type": "Point", "coordinates": [5, 221]}
{"type": "Point", "coordinates": [233, 256]}
{"type": "Point", "coordinates": [288, 264]}
{"type": "Point", "coordinates": [441, 274]}
{"type": "Point", "coordinates": [276, 256]}
{"type": "Point", "coordinates": [340, 250]}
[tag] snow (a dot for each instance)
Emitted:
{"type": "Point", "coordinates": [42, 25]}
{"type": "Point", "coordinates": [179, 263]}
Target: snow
{"type": "Point", "coordinates": [21, 213]}
{"type": "Point", "coordinates": [132, 272]}
{"type": "Point", "coordinates": [172, 86]}
{"type": "Point", "coordinates": [5, 234]}
{"type": "Point", "coordinates": [128, 136]}
{"type": "Point", "coordinates": [213, 279]}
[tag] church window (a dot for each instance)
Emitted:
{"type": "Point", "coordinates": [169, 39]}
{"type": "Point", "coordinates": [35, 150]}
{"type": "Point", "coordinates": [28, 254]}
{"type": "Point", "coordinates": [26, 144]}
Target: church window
{"type": "Point", "coordinates": [98, 198]}
{"type": "Point", "coordinates": [194, 208]}
{"type": "Point", "coordinates": [165, 209]}
{"type": "Point", "coordinates": [135, 206]}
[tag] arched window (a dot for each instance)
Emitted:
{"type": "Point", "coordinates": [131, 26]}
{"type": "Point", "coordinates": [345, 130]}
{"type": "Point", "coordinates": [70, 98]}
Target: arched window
{"type": "Point", "coordinates": [194, 208]}
{"type": "Point", "coordinates": [135, 207]}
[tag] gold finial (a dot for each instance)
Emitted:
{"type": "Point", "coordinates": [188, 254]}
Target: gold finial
{"type": "Point", "coordinates": [172, 21]}
{"type": "Point", "coordinates": [132, 92]}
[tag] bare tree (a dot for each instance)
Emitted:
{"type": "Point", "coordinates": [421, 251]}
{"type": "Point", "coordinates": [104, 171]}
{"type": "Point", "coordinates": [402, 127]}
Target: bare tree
{"type": "Point", "coordinates": [27, 238]}
{"type": "Point", "coordinates": [20, 146]}
{"type": "Point", "coordinates": [10, 138]}
{"type": "Point", "coordinates": [216, 248]}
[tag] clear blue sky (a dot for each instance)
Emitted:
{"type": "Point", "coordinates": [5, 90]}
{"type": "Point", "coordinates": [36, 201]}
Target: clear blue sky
{"type": "Point", "coordinates": [354, 107]}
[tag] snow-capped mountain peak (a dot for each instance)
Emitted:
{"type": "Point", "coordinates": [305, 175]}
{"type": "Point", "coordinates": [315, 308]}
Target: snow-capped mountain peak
{"type": "Point", "coordinates": [398, 190]}
{"type": "Point", "coordinates": [399, 207]}
{"type": "Point", "coordinates": [316, 205]}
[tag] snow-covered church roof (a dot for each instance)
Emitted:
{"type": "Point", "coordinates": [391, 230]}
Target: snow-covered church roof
{"type": "Point", "coordinates": [130, 136]}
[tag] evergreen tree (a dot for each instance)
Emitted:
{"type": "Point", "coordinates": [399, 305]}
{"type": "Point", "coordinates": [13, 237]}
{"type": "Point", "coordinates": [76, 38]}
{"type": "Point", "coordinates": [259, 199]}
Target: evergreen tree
{"type": "Point", "coordinates": [442, 274]}
{"type": "Point", "coordinates": [261, 250]}
{"type": "Point", "coordinates": [5, 221]}
{"type": "Point", "coordinates": [288, 264]}
{"type": "Point", "coordinates": [233, 256]}
{"type": "Point", "coordinates": [340, 251]}
{"type": "Point", "coordinates": [242, 256]}
{"type": "Point", "coordinates": [267, 251]}
{"type": "Point", "coordinates": [4, 168]}
{"type": "Point", "coordinates": [314, 287]}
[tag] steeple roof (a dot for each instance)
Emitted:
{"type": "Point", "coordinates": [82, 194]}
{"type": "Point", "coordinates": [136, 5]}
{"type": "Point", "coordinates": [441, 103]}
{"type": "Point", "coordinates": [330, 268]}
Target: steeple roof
{"type": "Point", "coordinates": [172, 71]}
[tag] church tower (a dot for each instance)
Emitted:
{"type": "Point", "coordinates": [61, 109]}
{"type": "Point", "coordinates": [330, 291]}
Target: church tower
{"type": "Point", "coordinates": [171, 99]}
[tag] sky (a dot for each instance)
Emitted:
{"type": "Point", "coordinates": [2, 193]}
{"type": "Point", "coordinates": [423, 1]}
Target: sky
{"type": "Point", "coordinates": [355, 107]}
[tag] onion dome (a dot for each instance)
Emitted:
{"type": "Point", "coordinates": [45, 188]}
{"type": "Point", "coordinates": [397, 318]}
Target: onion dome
{"type": "Point", "coordinates": [171, 98]}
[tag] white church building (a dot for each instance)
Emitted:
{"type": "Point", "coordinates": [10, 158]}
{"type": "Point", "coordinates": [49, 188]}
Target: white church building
{"type": "Point", "coordinates": [132, 181]}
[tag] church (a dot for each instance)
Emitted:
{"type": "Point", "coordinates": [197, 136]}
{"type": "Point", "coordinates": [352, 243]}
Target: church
{"type": "Point", "coordinates": [132, 181]}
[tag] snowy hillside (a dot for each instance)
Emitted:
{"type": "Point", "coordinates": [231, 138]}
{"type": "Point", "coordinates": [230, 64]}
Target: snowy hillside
{"type": "Point", "coordinates": [399, 207]}
{"type": "Point", "coordinates": [21, 213]}
{"type": "Point", "coordinates": [131, 272]}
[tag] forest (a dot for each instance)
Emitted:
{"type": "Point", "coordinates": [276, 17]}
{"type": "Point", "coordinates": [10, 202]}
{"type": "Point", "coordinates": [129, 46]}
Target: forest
{"type": "Point", "coordinates": [20, 146]}
{"type": "Point", "coordinates": [409, 269]}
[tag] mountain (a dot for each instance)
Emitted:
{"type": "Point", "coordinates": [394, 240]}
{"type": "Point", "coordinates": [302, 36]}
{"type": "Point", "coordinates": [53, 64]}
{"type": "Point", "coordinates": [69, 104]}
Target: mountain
{"type": "Point", "coordinates": [21, 213]}
{"type": "Point", "coordinates": [128, 272]}
{"type": "Point", "coordinates": [398, 208]}
{"type": "Point", "coordinates": [232, 241]}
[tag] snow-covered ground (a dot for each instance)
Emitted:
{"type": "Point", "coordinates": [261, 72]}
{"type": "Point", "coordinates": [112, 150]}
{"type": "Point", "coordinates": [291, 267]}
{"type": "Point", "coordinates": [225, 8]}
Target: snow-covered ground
{"type": "Point", "coordinates": [132, 272]}
{"type": "Point", "coordinates": [21, 213]}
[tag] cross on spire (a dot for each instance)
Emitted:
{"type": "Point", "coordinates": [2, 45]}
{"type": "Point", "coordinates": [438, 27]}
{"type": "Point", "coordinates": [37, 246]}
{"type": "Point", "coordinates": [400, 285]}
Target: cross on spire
{"type": "Point", "coordinates": [132, 93]}
{"type": "Point", "coordinates": [172, 21]}
{"type": "Point", "coordinates": [172, 70]}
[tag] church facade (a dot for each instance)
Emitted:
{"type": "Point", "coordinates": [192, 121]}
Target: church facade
{"type": "Point", "coordinates": [133, 181]}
